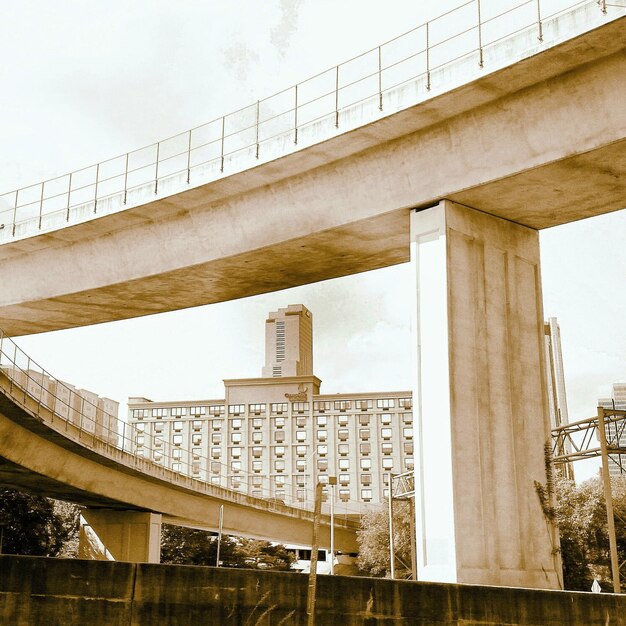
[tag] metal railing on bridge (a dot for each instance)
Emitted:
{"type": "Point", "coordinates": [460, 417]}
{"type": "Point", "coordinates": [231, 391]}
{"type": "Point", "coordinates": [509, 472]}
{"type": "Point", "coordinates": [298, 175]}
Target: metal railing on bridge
{"type": "Point", "coordinates": [84, 418]}
{"type": "Point", "coordinates": [348, 95]}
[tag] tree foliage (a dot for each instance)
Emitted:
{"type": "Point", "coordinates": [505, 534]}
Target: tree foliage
{"type": "Point", "coordinates": [189, 546]}
{"type": "Point", "coordinates": [373, 539]}
{"type": "Point", "coordinates": [34, 525]}
{"type": "Point", "coordinates": [581, 517]}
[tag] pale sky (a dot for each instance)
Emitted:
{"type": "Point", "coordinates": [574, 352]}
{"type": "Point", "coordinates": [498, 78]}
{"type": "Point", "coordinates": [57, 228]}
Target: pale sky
{"type": "Point", "coordinates": [83, 81]}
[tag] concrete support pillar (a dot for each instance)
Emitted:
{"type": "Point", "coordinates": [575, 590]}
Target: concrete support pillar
{"type": "Point", "coordinates": [480, 402]}
{"type": "Point", "coordinates": [109, 534]}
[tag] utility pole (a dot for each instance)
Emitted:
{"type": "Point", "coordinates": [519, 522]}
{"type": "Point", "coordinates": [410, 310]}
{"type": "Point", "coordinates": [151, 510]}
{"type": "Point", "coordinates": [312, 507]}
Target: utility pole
{"type": "Point", "coordinates": [220, 525]}
{"type": "Point", "coordinates": [310, 605]}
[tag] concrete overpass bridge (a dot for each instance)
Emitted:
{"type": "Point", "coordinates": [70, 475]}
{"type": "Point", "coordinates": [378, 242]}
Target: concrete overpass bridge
{"type": "Point", "coordinates": [450, 146]}
{"type": "Point", "coordinates": [57, 443]}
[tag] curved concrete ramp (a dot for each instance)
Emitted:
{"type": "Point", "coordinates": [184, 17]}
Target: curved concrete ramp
{"type": "Point", "coordinates": [42, 452]}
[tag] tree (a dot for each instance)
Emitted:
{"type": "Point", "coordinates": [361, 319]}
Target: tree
{"type": "Point", "coordinates": [34, 525]}
{"type": "Point", "coordinates": [373, 539]}
{"type": "Point", "coordinates": [190, 546]}
{"type": "Point", "coordinates": [581, 517]}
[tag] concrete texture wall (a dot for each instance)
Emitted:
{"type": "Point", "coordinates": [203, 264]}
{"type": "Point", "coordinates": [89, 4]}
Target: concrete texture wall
{"type": "Point", "coordinates": [60, 592]}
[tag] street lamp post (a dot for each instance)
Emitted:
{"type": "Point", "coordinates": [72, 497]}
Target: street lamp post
{"type": "Point", "coordinates": [332, 481]}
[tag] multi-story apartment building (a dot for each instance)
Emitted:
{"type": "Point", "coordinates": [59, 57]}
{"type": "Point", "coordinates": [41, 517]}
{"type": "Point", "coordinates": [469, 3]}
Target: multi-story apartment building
{"type": "Point", "coordinates": [276, 436]}
{"type": "Point", "coordinates": [616, 432]}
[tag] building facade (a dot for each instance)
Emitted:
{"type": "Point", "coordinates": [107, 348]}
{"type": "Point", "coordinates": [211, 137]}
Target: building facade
{"type": "Point", "coordinates": [557, 398]}
{"type": "Point", "coordinates": [276, 436]}
{"type": "Point", "coordinates": [616, 432]}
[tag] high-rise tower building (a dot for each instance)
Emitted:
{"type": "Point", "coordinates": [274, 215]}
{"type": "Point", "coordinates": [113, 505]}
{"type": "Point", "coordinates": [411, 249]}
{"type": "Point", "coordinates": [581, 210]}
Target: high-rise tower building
{"type": "Point", "coordinates": [556, 378]}
{"type": "Point", "coordinates": [616, 432]}
{"type": "Point", "coordinates": [289, 342]}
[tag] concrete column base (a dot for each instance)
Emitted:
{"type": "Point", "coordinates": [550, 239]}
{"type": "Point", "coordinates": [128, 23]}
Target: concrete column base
{"type": "Point", "coordinates": [108, 534]}
{"type": "Point", "coordinates": [480, 402]}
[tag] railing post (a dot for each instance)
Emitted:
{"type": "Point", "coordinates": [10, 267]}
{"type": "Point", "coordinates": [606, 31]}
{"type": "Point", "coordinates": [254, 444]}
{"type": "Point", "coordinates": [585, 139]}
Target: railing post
{"type": "Point", "coordinates": [41, 203]}
{"type": "Point", "coordinates": [17, 191]}
{"type": "Point", "coordinates": [258, 110]}
{"type": "Point", "coordinates": [427, 57]}
{"type": "Point", "coordinates": [126, 179]}
{"type": "Point", "coordinates": [95, 198]}
{"type": "Point", "coordinates": [222, 144]}
{"type": "Point", "coordinates": [156, 169]}
{"type": "Point", "coordinates": [295, 120]}
{"type": "Point", "coordinates": [69, 198]}
{"type": "Point", "coordinates": [337, 97]}
{"type": "Point", "coordinates": [189, 158]}
{"type": "Point", "coordinates": [539, 24]}
{"type": "Point", "coordinates": [480, 37]}
{"type": "Point", "coordinates": [380, 79]}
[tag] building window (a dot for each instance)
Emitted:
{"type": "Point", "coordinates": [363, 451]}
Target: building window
{"type": "Point", "coordinates": [236, 423]}
{"type": "Point", "coordinates": [216, 480]}
{"type": "Point", "coordinates": [197, 410]}
{"type": "Point", "coordinates": [322, 465]}
{"type": "Point", "coordinates": [405, 403]}
{"type": "Point", "coordinates": [366, 464]}
{"type": "Point", "coordinates": [278, 408]}
{"type": "Point", "coordinates": [342, 420]}
{"type": "Point", "coordinates": [176, 467]}
{"type": "Point", "coordinates": [365, 448]}
{"type": "Point", "coordinates": [409, 464]}
{"type": "Point", "coordinates": [197, 424]}
{"type": "Point", "coordinates": [322, 420]}
{"type": "Point", "coordinates": [235, 452]}
{"type": "Point", "coordinates": [216, 453]}
{"type": "Point", "coordinates": [196, 440]}
{"type": "Point", "coordinates": [235, 466]}
{"type": "Point", "coordinates": [344, 479]}
{"type": "Point", "coordinates": [366, 494]}
{"type": "Point", "coordinates": [217, 424]}
{"type": "Point", "coordinates": [216, 409]}
{"type": "Point", "coordinates": [177, 426]}
{"type": "Point", "coordinates": [321, 406]}
{"type": "Point", "coordinates": [178, 411]}
{"type": "Point", "coordinates": [364, 434]}
{"type": "Point", "coordinates": [279, 422]}
{"type": "Point", "coordinates": [300, 465]}
{"type": "Point", "coordinates": [300, 480]}
{"type": "Point", "coordinates": [177, 440]}
{"type": "Point", "coordinates": [387, 448]}
{"type": "Point", "coordinates": [177, 454]}
{"type": "Point", "coordinates": [257, 452]}
{"type": "Point", "coordinates": [257, 466]}
{"type": "Point", "coordinates": [256, 409]}
{"type": "Point", "coordinates": [343, 434]}
{"type": "Point", "coordinates": [235, 482]}
{"type": "Point", "coordinates": [385, 433]}
{"type": "Point", "coordinates": [322, 449]}
{"type": "Point", "coordinates": [216, 467]}
{"type": "Point", "coordinates": [344, 464]}
{"type": "Point", "coordinates": [300, 422]}
{"type": "Point", "coordinates": [216, 437]}
{"type": "Point", "coordinates": [299, 407]}
{"type": "Point", "coordinates": [141, 413]}
{"type": "Point", "coordinates": [197, 452]}
{"type": "Point", "coordinates": [385, 403]}
{"type": "Point", "coordinates": [158, 456]}
{"type": "Point", "coordinates": [342, 405]}
{"type": "Point", "coordinates": [158, 441]}
{"type": "Point", "coordinates": [301, 450]}
{"type": "Point", "coordinates": [158, 427]}
{"type": "Point", "coordinates": [257, 437]}
{"type": "Point", "coordinates": [279, 450]}
{"type": "Point", "coordinates": [387, 464]}
{"type": "Point", "coordinates": [366, 479]}
{"type": "Point", "coordinates": [140, 440]}
{"type": "Point", "coordinates": [301, 495]}
{"type": "Point", "coordinates": [140, 452]}
{"type": "Point", "coordinates": [343, 449]}
{"type": "Point", "coordinates": [159, 412]}
{"type": "Point", "coordinates": [363, 405]}
{"type": "Point", "coordinates": [279, 436]}
{"type": "Point", "coordinates": [301, 435]}
{"type": "Point", "coordinates": [344, 495]}
{"type": "Point", "coordinates": [364, 420]}
{"type": "Point", "coordinates": [408, 433]}
{"type": "Point", "coordinates": [236, 409]}
{"type": "Point", "coordinates": [280, 481]}
{"type": "Point", "coordinates": [385, 418]}
{"type": "Point", "coordinates": [257, 423]}
{"type": "Point", "coordinates": [321, 435]}
{"type": "Point", "coordinates": [407, 418]}
{"type": "Point", "coordinates": [322, 478]}
{"type": "Point", "coordinates": [279, 465]}
{"type": "Point", "coordinates": [235, 437]}
{"type": "Point", "coordinates": [257, 481]}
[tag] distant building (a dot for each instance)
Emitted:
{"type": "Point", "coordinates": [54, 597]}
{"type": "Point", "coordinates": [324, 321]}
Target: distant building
{"type": "Point", "coordinates": [557, 398]}
{"type": "Point", "coordinates": [276, 436]}
{"type": "Point", "coordinates": [616, 432]}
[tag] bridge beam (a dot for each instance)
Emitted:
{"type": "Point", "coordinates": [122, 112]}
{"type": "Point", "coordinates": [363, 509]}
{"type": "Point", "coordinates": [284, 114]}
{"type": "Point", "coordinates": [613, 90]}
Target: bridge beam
{"type": "Point", "coordinates": [480, 401]}
{"type": "Point", "coordinates": [113, 535]}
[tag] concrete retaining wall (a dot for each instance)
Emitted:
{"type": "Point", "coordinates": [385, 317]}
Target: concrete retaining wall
{"type": "Point", "coordinates": [60, 592]}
